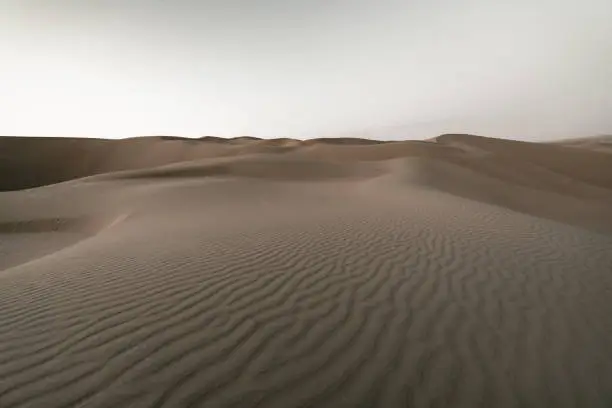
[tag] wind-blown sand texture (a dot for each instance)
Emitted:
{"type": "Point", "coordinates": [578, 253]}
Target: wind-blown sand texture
{"type": "Point", "coordinates": [461, 271]}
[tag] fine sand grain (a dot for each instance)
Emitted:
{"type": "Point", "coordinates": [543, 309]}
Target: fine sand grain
{"type": "Point", "coordinates": [165, 272]}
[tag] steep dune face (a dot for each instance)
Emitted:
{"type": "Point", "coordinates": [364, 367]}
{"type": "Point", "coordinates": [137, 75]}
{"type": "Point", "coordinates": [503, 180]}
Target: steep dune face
{"type": "Point", "coordinates": [591, 167]}
{"type": "Point", "coordinates": [34, 162]}
{"type": "Point", "coordinates": [554, 182]}
{"type": "Point", "coordinates": [459, 272]}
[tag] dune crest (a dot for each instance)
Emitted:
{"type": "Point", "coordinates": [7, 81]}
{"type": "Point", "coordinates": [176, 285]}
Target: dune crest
{"type": "Point", "coordinates": [522, 176]}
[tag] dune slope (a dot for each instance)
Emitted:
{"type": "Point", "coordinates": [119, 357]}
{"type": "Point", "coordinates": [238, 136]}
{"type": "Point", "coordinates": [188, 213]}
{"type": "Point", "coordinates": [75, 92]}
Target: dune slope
{"type": "Point", "coordinates": [459, 272]}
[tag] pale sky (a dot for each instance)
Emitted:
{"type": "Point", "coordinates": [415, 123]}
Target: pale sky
{"type": "Point", "coordinates": [523, 69]}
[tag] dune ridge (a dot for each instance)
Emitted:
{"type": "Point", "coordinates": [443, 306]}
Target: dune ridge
{"type": "Point", "coordinates": [462, 271]}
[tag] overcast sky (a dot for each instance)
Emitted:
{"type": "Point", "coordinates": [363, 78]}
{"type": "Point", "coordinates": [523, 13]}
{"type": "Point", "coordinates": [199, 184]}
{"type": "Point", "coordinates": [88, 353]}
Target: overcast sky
{"type": "Point", "coordinates": [525, 69]}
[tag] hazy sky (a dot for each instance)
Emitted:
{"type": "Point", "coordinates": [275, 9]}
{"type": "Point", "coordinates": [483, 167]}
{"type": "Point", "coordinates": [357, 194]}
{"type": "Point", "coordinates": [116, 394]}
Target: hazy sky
{"type": "Point", "coordinates": [305, 68]}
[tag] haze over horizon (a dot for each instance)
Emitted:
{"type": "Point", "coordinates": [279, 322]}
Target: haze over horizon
{"type": "Point", "coordinates": [531, 70]}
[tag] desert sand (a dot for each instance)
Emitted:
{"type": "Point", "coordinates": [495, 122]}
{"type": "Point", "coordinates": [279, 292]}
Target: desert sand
{"type": "Point", "coordinates": [460, 271]}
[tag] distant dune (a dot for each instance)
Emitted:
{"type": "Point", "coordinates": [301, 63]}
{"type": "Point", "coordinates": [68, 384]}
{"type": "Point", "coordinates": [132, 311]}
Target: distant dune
{"type": "Point", "coordinates": [598, 143]}
{"type": "Point", "coordinates": [461, 271]}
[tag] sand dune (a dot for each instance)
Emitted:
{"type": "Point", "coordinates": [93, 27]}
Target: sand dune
{"type": "Point", "coordinates": [161, 272]}
{"type": "Point", "coordinates": [597, 143]}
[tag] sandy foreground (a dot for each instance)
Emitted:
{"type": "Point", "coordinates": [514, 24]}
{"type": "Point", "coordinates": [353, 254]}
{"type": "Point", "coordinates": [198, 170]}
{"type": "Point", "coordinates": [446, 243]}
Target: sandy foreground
{"type": "Point", "coordinates": [462, 271]}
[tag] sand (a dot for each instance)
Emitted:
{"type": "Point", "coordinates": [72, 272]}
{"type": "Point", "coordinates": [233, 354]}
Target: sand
{"type": "Point", "coordinates": [462, 271]}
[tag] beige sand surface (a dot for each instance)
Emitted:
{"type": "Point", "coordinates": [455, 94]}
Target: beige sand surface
{"type": "Point", "coordinates": [165, 272]}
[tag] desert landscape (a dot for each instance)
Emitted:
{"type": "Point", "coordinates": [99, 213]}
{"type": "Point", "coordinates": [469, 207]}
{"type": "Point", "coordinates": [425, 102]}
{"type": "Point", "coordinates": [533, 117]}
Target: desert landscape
{"type": "Point", "coordinates": [460, 271]}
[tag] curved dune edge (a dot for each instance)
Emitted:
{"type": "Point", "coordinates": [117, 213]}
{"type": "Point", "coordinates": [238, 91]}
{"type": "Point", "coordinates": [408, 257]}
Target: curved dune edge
{"type": "Point", "coordinates": [85, 228]}
{"type": "Point", "coordinates": [92, 225]}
